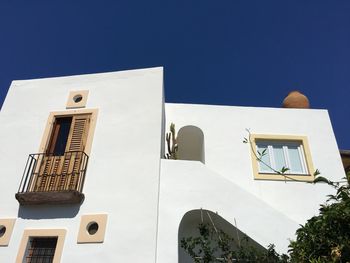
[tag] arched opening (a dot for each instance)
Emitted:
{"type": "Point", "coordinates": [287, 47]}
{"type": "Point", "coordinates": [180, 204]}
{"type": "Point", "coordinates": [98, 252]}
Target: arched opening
{"type": "Point", "coordinates": [190, 141]}
{"type": "Point", "coordinates": [190, 228]}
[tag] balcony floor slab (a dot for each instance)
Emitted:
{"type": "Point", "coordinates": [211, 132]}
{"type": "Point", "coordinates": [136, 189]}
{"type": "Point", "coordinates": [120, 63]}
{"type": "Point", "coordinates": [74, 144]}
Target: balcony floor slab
{"type": "Point", "coordinates": [50, 198]}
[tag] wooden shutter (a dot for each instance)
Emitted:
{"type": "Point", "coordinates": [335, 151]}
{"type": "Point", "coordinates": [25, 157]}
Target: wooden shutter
{"type": "Point", "coordinates": [78, 133]}
{"type": "Point", "coordinates": [53, 137]}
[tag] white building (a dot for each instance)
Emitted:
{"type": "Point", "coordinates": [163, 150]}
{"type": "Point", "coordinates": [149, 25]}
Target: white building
{"type": "Point", "coordinates": [83, 172]}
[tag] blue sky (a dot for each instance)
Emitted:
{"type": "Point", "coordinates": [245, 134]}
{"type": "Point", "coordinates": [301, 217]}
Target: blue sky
{"type": "Point", "coordinates": [231, 52]}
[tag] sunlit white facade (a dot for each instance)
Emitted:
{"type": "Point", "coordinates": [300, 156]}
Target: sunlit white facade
{"type": "Point", "coordinates": [142, 203]}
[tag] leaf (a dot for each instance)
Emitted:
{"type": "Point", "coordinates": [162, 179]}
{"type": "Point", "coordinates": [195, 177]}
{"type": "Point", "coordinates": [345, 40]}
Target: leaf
{"type": "Point", "coordinates": [284, 169]}
{"type": "Point", "coordinates": [332, 197]}
{"type": "Point", "coordinates": [317, 172]}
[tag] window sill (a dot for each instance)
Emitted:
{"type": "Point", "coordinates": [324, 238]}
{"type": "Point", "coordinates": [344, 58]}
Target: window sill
{"type": "Point", "coordinates": [285, 177]}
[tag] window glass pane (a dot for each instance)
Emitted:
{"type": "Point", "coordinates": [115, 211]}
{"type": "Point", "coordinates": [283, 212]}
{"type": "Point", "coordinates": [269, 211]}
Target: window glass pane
{"type": "Point", "coordinates": [294, 159]}
{"type": "Point", "coordinates": [264, 159]}
{"type": "Point", "coordinates": [279, 157]}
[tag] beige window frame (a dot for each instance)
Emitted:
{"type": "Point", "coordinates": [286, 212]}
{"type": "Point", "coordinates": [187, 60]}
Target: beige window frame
{"type": "Point", "coordinates": [309, 176]}
{"type": "Point", "coordinates": [86, 220]}
{"type": "Point", "coordinates": [49, 125]}
{"type": "Point", "coordinates": [29, 233]}
{"type": "Point", "coordinates": [9, 224]}
{"type": "Point", "coordinates": [71, 103]}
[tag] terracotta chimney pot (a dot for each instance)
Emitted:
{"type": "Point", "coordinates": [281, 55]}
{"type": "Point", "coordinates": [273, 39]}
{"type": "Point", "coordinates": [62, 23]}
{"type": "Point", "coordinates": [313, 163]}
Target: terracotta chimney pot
{"type": "Point", "coordinates": [295, 99]}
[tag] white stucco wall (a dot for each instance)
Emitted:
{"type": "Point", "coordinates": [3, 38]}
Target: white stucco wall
{"type": "Point", "coordinates": [123, 172]}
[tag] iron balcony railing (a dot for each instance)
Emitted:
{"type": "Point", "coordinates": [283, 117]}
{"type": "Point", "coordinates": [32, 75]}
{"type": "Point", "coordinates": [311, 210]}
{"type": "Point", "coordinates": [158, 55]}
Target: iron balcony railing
{"type": "Point", "coordinates": [52, 173]}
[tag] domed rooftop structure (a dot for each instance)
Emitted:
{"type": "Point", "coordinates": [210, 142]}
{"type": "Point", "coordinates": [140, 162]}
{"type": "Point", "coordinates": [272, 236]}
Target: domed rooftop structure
{"type": "Point", "coordinates": [295, 99]}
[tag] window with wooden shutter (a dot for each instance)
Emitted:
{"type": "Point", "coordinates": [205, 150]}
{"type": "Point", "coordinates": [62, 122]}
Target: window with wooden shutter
{"type": "Point", "coordinates": [60, 166]}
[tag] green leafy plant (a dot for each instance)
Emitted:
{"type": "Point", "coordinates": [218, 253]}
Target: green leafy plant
{"type": "Point", "coordinates": [214, 245]}
{"type": "Point", "coordinates": [326, 237]}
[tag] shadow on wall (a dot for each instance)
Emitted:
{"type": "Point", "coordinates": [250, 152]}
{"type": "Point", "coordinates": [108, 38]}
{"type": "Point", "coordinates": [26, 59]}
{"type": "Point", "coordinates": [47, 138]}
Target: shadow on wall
{"type": "Point", "coordinates": [190, 140]}
{"type": "Point", "coordinates": [48, 212]}
{"type": "Point", "coordinates": [189, 228]}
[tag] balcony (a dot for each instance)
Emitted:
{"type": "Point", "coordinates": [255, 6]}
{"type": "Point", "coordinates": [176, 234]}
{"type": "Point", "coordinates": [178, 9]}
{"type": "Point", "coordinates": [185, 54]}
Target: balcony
{"type": "Point", "coordinates": [53, 179]}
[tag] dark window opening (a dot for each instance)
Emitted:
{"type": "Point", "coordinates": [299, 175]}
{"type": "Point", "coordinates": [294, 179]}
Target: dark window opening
{"type": "Point", "coordinates": [41, 249]}
{"type": "Point", "coordinates": [2, 230]}
{"type": "Point", "coordinates": [59, 136]}
{"type": "Point", "coordinates": [92, 228]}
{"type": "Point", "coordinates": [77, 98]}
